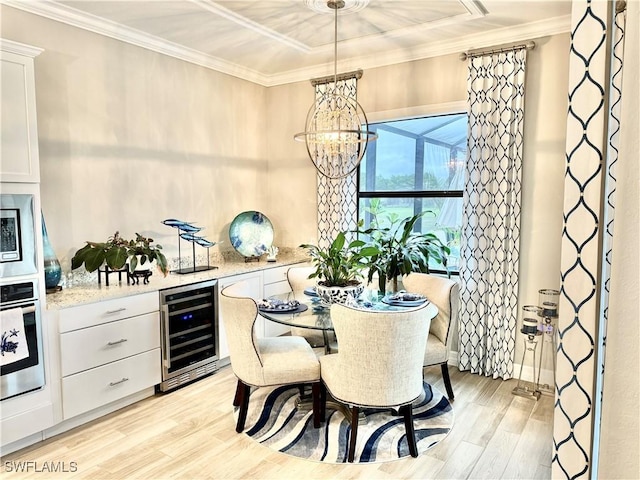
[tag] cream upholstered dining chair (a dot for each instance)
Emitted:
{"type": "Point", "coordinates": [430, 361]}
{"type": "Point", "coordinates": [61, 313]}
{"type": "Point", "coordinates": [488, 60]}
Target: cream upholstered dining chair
{"type": "Point", "coordinates": [378, 365]}
{"type": "Point", "coordinates": [261, 362]}
{"type": "Point", "coordinates": [298, 278]}
{"type": "Point", "coordinates": [444, 293]}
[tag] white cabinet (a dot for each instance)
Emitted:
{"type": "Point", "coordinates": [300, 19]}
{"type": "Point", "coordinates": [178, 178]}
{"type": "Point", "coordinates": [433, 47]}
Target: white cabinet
{"type": "Point", "coordinates": [255, 284]}
{"type": "Point", "coordinates": [108, 350]}
{"type": "Point", "coordinates": [99, 386]}
{"type": "Point", "coordinates": [275, 283]}
{"type": "Point", "coordinates": [19, 132]}
{"type": "Point", "coordinates": [94, 346]}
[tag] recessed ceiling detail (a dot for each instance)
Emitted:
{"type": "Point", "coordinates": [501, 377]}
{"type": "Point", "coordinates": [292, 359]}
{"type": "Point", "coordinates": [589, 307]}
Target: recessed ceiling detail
{"type": "Point", "coordinates": [271, 42]}
{"type": "Point", "coordinates": [350, 6]}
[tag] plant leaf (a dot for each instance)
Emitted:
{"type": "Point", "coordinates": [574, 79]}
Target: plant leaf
{"type": "Point", "coordinates": [93, 259]}
{"type": "Point", "coordinates": [116, 258]}
{"type": "Point", "coordinates": [79, 257]}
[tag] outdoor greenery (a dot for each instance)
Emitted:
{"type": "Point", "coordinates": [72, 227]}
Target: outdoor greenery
{"type": "Point", "coordinates": [400, 249]}
{"type": "Point", "coordinates": [341, 264]}
{"type": "Point", "coordinates": [116, 251]}
{"type": "Point", "coordinates": [407, 182]}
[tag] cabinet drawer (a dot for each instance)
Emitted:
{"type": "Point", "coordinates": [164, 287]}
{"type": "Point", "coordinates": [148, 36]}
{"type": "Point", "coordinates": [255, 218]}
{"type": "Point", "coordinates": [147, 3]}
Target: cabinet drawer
{"type": "Point", "coordinates": [277, 274]}
{"type": "Point", "coordinates": [99, 386]}
{"type": "Point", "coordinates": [90, 347]}
{"type": "Point", "coordinates": [277, 288]}
{"type": "Point", "coordinates": [106, 311]}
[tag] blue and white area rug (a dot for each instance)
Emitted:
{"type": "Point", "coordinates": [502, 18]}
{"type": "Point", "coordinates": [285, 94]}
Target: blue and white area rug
{"type": "Point", "coordinates": [274, 420]}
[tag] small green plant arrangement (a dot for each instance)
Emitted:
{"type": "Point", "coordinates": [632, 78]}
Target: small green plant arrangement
{"type": "Point", "coordinates": [341, 264]}
{"type": "Point", "coordinates": [400, 249]}
{"type": "Point", "coordinates": [116, 251]}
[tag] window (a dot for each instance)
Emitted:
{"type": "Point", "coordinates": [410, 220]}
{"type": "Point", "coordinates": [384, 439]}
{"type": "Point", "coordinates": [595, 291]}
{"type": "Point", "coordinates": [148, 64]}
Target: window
{"type": "Point", "coordinates": [413, 166]}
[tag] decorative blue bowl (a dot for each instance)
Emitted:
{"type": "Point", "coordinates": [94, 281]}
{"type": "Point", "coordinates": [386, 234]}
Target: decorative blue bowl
{"type": "Point", "coordinates": [251, 233]}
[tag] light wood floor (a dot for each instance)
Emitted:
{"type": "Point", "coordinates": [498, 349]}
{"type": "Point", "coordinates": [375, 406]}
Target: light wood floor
{"type": "Point", "coordinates": [190, 434]}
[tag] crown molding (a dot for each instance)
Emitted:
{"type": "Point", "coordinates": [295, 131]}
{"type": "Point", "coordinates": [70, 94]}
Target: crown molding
{"type": "Point", "coordinates": [70, 16]}
{"type": "Point", "coordinates": [75, 18]}
{"type": "Point", "coordinates": [19, 48]}
{"type": "Point", "coordinates": [530, 31]}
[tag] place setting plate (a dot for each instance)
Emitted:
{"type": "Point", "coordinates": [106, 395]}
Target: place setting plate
{"type": "Point", "coordinates": [311, 292]}
{"type": "Point", "coordinates": [274, 305]}
{"type": "Point", "coordinates": [404, 299]}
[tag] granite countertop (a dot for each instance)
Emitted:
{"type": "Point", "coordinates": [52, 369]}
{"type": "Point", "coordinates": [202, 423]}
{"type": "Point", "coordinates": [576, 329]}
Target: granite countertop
{"type": "Point", "coordinates": [90, 292]}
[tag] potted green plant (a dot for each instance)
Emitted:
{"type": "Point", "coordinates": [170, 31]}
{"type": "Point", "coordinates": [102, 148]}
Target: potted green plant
{"type": "Point", "coordinates": [400, 249]}
{"type": "Point", "coordinates": [339, 268]}
{"type": "Point", "coordinates": [116, 252]}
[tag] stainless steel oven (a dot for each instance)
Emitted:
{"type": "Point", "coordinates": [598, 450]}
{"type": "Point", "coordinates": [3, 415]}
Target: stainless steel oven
{"type": "Point", "coordinates": [17, 235]}
{"type": "Point", "coordinates": [190, 333]}
{"type": "Point", "coordinates": [21, 358]}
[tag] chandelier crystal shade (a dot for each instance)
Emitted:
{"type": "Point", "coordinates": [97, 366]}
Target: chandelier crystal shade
{"type": "Point", "coordinates": [337, 131]}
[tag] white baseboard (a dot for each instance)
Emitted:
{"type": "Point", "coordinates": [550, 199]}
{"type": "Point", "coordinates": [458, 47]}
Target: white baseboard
{"type": "Point", "coordinates": [546, 375]}
{"type": "Point", "coordinates": [98, 412]}
{"type": "Point", "coordinates": [453, 359]}
{"type": "Point", "coordinates": [22, 443]}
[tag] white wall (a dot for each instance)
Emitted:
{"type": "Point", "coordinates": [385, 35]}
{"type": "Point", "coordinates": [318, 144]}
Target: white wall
{"type": "Point", "coordinates": [129, 137]}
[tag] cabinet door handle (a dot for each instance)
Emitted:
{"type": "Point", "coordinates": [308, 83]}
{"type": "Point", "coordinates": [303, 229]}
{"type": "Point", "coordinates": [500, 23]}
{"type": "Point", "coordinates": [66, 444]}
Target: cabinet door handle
{"type": "Point", "coordinates": [113, 384]}
{"type": "Point", "coordinates": [117, 310]}
{"type": "Point", "coordinates": [122, 340]}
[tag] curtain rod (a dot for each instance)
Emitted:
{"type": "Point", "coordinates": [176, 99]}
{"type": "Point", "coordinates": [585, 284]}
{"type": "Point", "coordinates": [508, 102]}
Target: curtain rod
{"type": "Point", "coordinates": [357, 74]}
{"type": "Point", "coordinates": [529, 46]}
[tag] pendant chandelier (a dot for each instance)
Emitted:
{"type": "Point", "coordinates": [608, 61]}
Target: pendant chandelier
{"type": "Point", "coordinates": [337, 131]}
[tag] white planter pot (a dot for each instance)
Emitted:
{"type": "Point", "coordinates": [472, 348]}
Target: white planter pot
{"type": "Point", "coordinates": [140, 267]}
{"type": "Point", "coordinates": [338, 294]}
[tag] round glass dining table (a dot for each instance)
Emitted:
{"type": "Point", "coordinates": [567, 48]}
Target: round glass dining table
{"type": "Point", "coordinates": [316, 315]}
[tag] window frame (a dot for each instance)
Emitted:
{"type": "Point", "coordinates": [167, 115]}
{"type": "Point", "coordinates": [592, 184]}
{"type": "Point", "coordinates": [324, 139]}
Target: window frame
{"type": "Point", "coordinates": [453, 108]}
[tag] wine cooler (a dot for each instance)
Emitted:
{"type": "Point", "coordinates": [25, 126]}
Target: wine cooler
{"type": "Point", "coordinates": [190, 333]}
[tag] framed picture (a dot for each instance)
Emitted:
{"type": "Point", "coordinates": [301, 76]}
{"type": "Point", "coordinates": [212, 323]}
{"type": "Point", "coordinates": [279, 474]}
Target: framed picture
{"type": "Point", "coordinates": [10, 235]}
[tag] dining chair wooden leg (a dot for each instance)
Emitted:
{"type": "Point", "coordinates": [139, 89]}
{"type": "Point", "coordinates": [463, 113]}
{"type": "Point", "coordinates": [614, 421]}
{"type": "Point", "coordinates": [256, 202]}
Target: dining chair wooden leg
{"type": "Point", "coordinates": [245, 391]}
{"type": "Point", "coordinates": [447, 380]}
{"type": "Point", "coordinates": [323, 401]}
{"type": "Point", "coordinates": [315, 393]}
{"type": "Point", "coordinates": [355, 417]}
{"type": "Point", "coordinates": [407, 411]}
{"type": "Point", "coordinates": [236, 398]}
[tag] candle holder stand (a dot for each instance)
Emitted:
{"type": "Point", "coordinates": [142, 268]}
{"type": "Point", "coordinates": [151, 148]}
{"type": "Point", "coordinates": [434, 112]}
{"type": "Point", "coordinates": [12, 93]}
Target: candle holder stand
{"type": "Point", "coordinates": [531, 340]}
{"type": "Point", "coordinates": [548, 327]}
{"type": "Point", "coordinates": [549, 336]}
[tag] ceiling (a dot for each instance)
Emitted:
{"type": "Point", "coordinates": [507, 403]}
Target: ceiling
{"type": "Point", "coordinates": [234, 36]}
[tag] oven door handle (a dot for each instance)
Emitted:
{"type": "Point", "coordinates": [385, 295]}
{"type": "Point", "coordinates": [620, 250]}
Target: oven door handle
{"type": "Point", "coordinates": [165, 324]}
{"type": "Point", "coordinates": [25, 310]}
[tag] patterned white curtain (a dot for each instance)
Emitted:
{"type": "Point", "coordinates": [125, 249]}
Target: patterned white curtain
{"type": "Point", "coordinates": [491, 214]}
{"type": "Point", "coordinates": [337, 198]}
{"type": "Point", "coordinates": [593, 124]}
